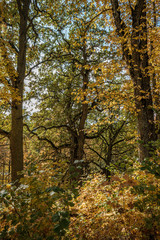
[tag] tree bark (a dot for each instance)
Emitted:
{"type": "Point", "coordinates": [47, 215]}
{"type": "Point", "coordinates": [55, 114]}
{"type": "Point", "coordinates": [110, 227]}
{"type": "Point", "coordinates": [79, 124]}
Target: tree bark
{"type": "Point", "coordinates": [81, 134]}
{"type": "Point", "coordinates": [137, 60]}
{"type": "Point", "coordinates": [78, 139]}
{"type": "Point", "coordinates": [16, 137]}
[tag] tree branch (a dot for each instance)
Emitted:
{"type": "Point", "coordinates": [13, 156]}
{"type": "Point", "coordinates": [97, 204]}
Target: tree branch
{"type": "Point", "coordinates": [121, 30]}
{"type": "Point", "coordinates": [19, 6]}
{"type": "Point", "coordinates": [96, 153]}
{"type": "Point", "coordinates": [122, 140]}
{"type": "Point", "coordinates": [118, 131]}
{"type": "Point", "coordinates": [36, 65]}
{"type": "Point", "coordinates": [4, 133]}
{"type": "Point", "coordinates": [41, 138]}
{"type": "Point", "coordinates": [98, 134]}
{"type": "Point", "coordinates": [66, 145]}
{"type": "Point", "coordinates": [13, 46]}
{"type": "Point", "coordinates": [98, 165]}
{"type": "Point", "coordinates": [104, 10]}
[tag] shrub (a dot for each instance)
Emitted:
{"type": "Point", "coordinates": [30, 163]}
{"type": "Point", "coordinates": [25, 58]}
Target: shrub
{"type": "Point", "coordinates": [37, 209]}
{"type": "Point", "coordinates": [127, 207]}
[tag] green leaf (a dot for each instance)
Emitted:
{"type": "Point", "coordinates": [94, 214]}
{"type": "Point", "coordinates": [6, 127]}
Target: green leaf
{"type": "Point", "coordinates": [57, 228]}
{"type": "Point", "coordinates": [64, 223]}
{"type": "Point", "coordinates": [56, 217]}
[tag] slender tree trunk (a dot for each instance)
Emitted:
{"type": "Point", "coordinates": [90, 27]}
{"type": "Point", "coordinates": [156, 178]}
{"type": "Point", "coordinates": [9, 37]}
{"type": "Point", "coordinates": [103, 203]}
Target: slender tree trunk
{"type": "Point", "coordinates": [78, 139]}
{"type": "Point", "coordinates": [74, 149]}
{"type": "Point", "coordinates": [16, 138]}
{"type": "Point", "coordinates": [154, 82]}
{"type": "Point", "coordinates": [81, 136]}
{"type": "Point", "coordinates": [16, 142]}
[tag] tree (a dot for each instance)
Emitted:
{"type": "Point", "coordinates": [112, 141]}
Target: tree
{"type": "Point", "coordinates": [67, 82]}
{"type": "Point", "coordinates": [15, 74]}
{"type": "Point", "coordinates": [133, 35]}
{"type": "Point", "coordinates": [114, 147]}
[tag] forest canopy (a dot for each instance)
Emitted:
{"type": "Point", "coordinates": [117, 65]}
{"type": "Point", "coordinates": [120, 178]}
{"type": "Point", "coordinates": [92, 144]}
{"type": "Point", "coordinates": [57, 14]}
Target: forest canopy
{"type": "Point", "coordinates": [79, 119]}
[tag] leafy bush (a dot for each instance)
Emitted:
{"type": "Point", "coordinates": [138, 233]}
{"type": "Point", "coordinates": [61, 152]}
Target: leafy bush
{"type": "Point", "coordinates": [127, 207]}
{"type": "Point", "coordinates": [37, 209]}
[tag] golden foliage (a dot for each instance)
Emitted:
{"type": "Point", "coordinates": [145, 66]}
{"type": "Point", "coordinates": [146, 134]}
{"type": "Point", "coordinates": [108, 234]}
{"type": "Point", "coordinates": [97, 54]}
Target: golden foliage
{"type": "Point", "coordinates": [107, 210]}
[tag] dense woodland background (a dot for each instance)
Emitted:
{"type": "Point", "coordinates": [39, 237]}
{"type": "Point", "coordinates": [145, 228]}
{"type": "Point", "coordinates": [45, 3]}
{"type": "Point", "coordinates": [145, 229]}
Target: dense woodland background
{"type": "Point", "coordinates": [80, 119]}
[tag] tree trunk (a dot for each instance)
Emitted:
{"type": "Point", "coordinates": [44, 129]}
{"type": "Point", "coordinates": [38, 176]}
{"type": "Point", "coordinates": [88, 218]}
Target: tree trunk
{"type": "Point", "coordinates": [138, 64]}
{"type": "Point", "coordinates": [78, 139]}
{"type": "Point", "coordinates": [16, 142]}
{"type": "Point", "coordinates": [16, 138]}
